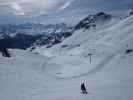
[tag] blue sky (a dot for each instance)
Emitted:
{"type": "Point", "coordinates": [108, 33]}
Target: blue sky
{"type": "Point", "coordinates": [14, 11]}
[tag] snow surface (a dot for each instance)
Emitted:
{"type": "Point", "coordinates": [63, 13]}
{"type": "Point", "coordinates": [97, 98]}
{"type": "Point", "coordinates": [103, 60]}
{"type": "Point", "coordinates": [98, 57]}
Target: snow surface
{"type": "Point", "coordinates": [57, 74]}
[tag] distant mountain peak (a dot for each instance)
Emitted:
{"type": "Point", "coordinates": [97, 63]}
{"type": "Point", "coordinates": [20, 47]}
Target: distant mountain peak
{"type": "Point", "coordinates": [130, 12]}
{"type": "Point", "coordinates": [92, 20]}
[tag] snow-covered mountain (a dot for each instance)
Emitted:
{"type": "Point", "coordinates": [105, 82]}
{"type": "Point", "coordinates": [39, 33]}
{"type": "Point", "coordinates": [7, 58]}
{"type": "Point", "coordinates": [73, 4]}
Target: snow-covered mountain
{"type": "Point", "coordinates": [25, 35]}
{"type": "Point", "coordinates": [117, 35]}
{"type": "Point", "coordinates": [92, 21]}
{"type": "Point", "coordinates": [48, 35]}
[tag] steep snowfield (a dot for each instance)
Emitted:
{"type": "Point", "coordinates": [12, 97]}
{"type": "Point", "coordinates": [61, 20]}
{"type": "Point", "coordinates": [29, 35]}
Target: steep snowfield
{"type": "Point", "coordinates": [118, 35]}
{"type": "Point", "coordinates": [57, 74]}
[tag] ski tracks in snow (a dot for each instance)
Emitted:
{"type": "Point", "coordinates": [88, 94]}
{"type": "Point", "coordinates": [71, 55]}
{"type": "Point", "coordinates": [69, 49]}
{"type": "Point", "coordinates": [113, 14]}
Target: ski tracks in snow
{"type": "Point", "coordinates": [97, 68]}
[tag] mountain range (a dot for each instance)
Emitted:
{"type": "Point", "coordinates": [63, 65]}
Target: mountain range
{"type": "Point", "coordinates": [32, 34]}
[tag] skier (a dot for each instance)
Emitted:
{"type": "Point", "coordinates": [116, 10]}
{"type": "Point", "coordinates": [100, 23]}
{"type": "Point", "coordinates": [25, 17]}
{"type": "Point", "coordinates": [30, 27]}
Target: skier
{"type": "Point", "coordinates": [83, 88]}
{"type": "Point", "coordinates": [5, 52]}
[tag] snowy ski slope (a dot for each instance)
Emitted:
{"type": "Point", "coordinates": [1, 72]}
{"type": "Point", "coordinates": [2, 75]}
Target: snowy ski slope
{"type": "Point", "coordinates": [57, 74]}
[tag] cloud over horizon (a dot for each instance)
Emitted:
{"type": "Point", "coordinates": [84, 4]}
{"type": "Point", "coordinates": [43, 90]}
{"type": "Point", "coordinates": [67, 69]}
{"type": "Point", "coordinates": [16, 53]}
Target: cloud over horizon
{"type": "Point", "coordinates": [29, 9]}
